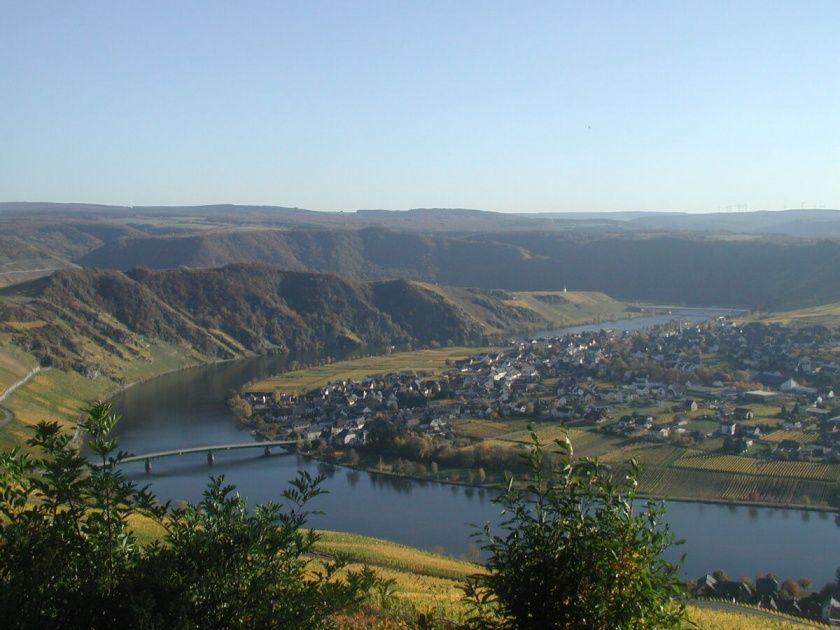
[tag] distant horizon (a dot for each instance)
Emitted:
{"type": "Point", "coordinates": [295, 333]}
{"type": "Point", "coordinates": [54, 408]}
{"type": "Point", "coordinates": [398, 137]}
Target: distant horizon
{"type": "Point", "coordinates": [414, 208]}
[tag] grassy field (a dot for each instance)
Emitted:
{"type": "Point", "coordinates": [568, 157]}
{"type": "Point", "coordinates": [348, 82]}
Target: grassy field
{"type": "Point", "coordinates": [553, 308]}
{"type": "Point", "coordinates": [299, 381]}
{"type": "Point", "coordinates": [825, 315]}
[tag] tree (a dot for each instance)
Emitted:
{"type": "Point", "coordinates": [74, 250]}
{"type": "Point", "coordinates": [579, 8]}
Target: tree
{"type": "Point", "coordinates": [720, 575]}
{"type": "Point", "coordinates": [790, 588]}
{"type": "Point", "coordinates": [66, 551]}
{"type": "Point", "coordinates": [69, 558]}
{"type": "Point", "coordinates": [575, 553]}
{"type": "Point", "coordinates": [222, 566]}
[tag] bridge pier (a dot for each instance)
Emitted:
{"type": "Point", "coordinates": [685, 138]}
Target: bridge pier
{"type": "Point", "coordinates": [267, 451]}
{"type": "Point", "coordinates": [148, 466]}
{"type": "Point", "coordinates": [210, 458]}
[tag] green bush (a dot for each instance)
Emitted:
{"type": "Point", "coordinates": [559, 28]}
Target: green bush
{"type": "Point", "coordinates": [69, 558]}
{"type": "Point", "coordinates": [574, 552]}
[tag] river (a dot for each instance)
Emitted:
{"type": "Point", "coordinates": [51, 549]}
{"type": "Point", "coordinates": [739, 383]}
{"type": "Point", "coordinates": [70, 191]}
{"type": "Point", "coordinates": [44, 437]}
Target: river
{"type": "Point", "coordinates": [187, 408]}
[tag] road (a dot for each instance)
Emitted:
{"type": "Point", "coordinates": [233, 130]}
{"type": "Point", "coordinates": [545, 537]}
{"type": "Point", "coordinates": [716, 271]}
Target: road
{"type": "Point", "coordinates": [5, 413]}
{"type": "Point", "coordinates": [18, 271]}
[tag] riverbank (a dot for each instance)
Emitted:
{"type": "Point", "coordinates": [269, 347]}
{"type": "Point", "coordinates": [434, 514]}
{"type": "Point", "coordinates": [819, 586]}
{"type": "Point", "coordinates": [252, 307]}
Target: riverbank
{"type": "Point", "coordinates": [443, 478]}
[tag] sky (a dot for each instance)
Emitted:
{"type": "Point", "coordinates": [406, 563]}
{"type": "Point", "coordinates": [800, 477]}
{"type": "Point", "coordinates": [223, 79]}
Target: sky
{"type": "Point", "coordinates": [519, 106]}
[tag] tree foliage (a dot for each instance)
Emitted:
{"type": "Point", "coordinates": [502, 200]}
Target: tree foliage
{"type": "Point", "coordinates": [574, 552]}
{"type": "Point", "coordinates": [69, 557]}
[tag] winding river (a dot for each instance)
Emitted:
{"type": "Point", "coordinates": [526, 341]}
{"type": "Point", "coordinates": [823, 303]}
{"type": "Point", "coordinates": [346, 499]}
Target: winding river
{"type": "Point", "coordinates": [187, 408]}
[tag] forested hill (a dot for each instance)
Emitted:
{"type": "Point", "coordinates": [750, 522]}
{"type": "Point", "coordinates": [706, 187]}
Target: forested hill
{"type": "Point", "coordinates": [88, 319]}
{"type": "Point", "coordinates": [692, 269]}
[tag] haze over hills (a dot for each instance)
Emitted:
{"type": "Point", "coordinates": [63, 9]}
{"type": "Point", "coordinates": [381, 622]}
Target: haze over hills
{"type": "Point", "coordinates": [802, 223]}
{"type": "Point", "coordinates": [677, 268]}
{"type": "Point", "coordinates": [769, 260]}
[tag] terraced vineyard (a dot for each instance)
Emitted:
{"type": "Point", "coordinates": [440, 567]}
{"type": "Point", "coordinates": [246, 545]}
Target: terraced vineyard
{"type": "Point", "coordinates": [715, 485]}
{"type": "Point", "coordinates": [780, 435]}
{"type": "Point", "coordinates": [645, 453]}
{"type": "Point", "coordinates": [750, 466]}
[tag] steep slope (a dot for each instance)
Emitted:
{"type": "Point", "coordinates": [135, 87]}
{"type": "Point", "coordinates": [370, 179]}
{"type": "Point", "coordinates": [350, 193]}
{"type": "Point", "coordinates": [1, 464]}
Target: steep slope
{"type": "Point", "coordinates": [94, 319]}
{"type": "Point", "coordinates": [742, 271]}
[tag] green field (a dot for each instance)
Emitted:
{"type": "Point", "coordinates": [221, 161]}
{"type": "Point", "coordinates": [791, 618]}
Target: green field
{"type": "Point", "coordinates": [299, 381]}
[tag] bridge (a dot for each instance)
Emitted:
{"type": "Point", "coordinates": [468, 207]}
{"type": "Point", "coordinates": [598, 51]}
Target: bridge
{"type": "Point", "coordinates": [210, 450]}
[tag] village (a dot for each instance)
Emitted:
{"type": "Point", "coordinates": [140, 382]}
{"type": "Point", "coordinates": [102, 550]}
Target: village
{"type": "Point", "coordinates": [764, 391]}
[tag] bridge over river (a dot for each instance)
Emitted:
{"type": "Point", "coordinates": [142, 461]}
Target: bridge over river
{"type": "Point", "coordinates": [148, 457]}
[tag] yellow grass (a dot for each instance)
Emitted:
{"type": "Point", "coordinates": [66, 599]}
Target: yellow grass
{"type": "Point", "coordinates": [799, 436]}
{"type": "Point", "coordinates": [384, 553]}
{"type": "Point", "coordinates": [825, 314]}
{"type": "Point", "coordinates": [477, 428]}
{"type": "Point", "coordinates": [585, 443]}
{"type": "Point", "coordinates": [706, 619]}
{"type": "Point", "coordinates": [432, 361]}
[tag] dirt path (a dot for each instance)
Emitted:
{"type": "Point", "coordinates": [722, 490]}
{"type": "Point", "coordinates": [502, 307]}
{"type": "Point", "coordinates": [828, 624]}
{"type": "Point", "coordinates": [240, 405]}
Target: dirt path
{"type": "Point", "coordinates": [5, 414]}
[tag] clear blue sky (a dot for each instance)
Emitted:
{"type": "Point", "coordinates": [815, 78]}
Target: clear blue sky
{"type": "Point", "coordinates": [512, 106]}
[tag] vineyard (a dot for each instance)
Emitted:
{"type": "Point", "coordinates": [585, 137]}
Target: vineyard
{"type": "Point", "coordinates": [750, 466]}
{"type": "Point", "coordinates": [645, 453]}
{"type": "Point", "coordinates": [709, 484]}
{"type": "Point", "coordinates": [800, 436]}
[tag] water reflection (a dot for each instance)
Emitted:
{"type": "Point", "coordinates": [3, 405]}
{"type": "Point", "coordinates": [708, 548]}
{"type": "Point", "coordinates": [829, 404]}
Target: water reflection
{"type": "Point", "coordinates": [353, 477]}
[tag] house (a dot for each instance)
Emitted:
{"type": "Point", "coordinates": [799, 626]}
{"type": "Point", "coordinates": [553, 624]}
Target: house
{"type": "Point", "coordinates": [744, 413]}
{"type": "Point", "coordinates": [767, 586]}
{"type": "Point", "coordinates": [691, 405]}
{"type": "Point", "coordinates": [709, 586]}
{"type": "Point", "coordinates": [770, 379]}
{"type": "Point", "coordinates": [789, 385]}
{"type": "Point", "coordinates": [789, 446]}
{"type": "Point", "coordinates": [727, 428]}
{"type": "Point", "coordinates": [705, 586]}
{"type": "Point", "coordinates": [736, 591]}
{"type": "Point", "coordinates": [759, 396]}
{"type": "Point", "coordinates": [831, 613]}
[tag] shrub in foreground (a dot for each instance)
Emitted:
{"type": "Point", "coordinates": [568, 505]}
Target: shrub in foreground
{"type": "Point", "coordinates": [575, 552]}
{"type": "Point", "coordinates": [69, 557]}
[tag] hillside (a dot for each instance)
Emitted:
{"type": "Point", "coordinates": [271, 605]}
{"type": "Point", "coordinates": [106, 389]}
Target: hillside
{"type": "Point", "coordinates": [769, 260]}
{"type": "Point", "coordinates": [91, 319]}
{"type": "Point", "coordinates": [687, 269]}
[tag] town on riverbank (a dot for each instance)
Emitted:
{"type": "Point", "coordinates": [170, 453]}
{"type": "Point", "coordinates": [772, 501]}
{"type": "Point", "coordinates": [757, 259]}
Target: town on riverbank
{"type": "Point", "coordinates": [723, 410]}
